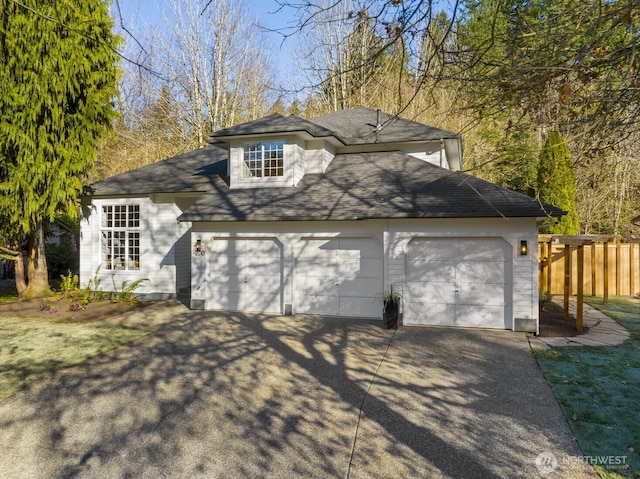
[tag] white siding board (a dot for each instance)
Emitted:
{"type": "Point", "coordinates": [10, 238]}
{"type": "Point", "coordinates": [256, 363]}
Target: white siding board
{"type": "Point", "coordinates": [162, 244]}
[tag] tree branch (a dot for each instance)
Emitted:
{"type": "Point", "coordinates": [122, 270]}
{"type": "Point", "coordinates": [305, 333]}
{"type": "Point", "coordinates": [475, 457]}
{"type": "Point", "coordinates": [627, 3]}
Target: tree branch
{"type": "Point", "coordinates": [10, 252]}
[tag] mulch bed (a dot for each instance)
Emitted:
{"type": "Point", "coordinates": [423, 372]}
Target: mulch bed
{"type": "Point", "coordinates": [45, 308]}
{"type": "Point", "coordinates": [553, 324]}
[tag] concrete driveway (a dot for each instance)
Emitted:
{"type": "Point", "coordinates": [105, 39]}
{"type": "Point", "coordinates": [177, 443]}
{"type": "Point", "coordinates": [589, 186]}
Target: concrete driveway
{"type": "Point", "coordinates": [246, 396]}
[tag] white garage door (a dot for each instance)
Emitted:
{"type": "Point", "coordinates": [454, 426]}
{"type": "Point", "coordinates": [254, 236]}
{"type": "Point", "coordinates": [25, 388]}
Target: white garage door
{"type": "Point", "coordinates": [339, 277]}
{"type": "Point", "coordinates": [244, 275]}
{"type": "Point", "coordinates": [459, 282]}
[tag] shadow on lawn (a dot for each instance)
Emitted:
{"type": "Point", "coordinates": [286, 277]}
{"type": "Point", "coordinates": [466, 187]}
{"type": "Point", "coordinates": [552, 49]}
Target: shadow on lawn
{"type": "Point", "coordinates": [212, 395]}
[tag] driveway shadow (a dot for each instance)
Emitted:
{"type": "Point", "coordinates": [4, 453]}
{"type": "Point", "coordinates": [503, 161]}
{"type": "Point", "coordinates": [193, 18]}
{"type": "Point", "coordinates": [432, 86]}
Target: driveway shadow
{"type": "Point", "coordinates": [238, 395]}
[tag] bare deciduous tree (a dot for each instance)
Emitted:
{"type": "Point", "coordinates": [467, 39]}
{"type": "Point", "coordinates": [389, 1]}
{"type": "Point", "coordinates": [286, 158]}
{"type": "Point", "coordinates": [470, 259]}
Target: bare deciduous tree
{"type": "Point", "coordinates": [216, 65]}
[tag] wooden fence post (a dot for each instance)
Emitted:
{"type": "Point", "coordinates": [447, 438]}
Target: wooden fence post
{"type": "Point", "coordinates": [618, 255]}
{"type": "Point", "coordinates": [549, 266]}
{"type": "Point", "coordinates": [567, 279]}
{"type": "Point", "coordinates": [542, 268]}
{"type": "Point", "coordinates": [632, 273]}
{"type": "Point", "coordinates": [580, 297]}
{"type": "Point", "coordinates": [593, 269]}
{"type": "Point", "coordinates": [605, 274]}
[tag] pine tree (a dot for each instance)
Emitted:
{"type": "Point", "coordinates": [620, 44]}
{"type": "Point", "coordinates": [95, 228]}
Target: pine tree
{"type": "Point", "coordinates": [58, 78]}
{"type": "Point", "coordinates": [557, 183]}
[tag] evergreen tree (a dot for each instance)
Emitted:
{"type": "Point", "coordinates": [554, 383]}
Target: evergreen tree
{"type": "Point", "coordinates": [57, 82]}
{"type": "Point", "coordinates": [557, 183]}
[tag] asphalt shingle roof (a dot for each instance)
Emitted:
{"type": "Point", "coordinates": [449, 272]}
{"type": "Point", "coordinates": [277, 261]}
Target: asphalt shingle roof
{"type": "Point", "coordinates": [354, 186]}
{"type": "Point", "coordinates": [193, 171]}
{"type": "Point", "coordinates": [275, 123]}
{"type": "Point", "coordinates": [358, 126]}
{"type": "Point", "coordinates": [369, 186]}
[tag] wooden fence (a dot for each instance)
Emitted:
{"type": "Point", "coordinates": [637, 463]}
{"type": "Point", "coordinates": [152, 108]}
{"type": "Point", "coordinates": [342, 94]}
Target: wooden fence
{"type": "Point", "coordinates": [617, 262]}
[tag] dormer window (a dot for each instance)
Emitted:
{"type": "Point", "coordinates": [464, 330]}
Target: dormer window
{"type": "Point", "coordinates": [264, 159]}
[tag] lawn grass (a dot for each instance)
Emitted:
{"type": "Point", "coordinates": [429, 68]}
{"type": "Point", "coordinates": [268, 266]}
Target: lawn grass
{"type": "Point", "coordinates": [598, 389]}
{"type": "Point", "coordinates": [32, 349]}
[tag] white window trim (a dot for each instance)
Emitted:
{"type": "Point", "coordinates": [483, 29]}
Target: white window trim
{"type": "Point", "coordinates": [132, 260]}
{"type": "Point", "coordinates": [247, 174]}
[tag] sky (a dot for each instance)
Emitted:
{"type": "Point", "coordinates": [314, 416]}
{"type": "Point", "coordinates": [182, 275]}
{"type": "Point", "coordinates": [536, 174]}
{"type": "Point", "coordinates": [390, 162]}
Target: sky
{"type": "Point", "coordinates": [138, 15]}
{"type": "Point", "coordinates": [267, 11]}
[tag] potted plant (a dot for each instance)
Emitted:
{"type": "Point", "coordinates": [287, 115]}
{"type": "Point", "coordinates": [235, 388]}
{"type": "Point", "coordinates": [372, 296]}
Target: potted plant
{"type": "Point", "coordinates": [390, 300]}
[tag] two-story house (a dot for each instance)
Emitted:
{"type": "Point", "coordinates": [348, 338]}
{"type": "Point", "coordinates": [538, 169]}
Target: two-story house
{"type": "Point", "coordinates": [287, 215]}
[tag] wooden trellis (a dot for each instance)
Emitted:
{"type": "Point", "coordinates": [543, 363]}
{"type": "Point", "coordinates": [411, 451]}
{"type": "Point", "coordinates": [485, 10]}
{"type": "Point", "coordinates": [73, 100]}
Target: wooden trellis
{"type": "Point", "coordinates": [574, 263]}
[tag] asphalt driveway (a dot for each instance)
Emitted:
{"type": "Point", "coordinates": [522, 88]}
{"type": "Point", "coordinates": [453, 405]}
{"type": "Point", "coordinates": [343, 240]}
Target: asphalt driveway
{"type": "Point", "coordinates": [247, 396]}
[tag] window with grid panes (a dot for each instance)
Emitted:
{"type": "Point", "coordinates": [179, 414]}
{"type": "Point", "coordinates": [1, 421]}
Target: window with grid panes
{"type": "Point", "coordinates": [264, 159]}
{"type": "Point", "coordinates": [120, 228]}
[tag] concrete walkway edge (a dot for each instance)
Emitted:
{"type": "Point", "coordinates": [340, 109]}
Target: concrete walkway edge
{"type": "Point", "coordinates": [602, 330]}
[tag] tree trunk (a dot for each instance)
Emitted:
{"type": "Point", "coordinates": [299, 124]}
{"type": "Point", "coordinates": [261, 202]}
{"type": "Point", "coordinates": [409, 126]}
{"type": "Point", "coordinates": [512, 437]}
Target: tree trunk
{"type": "Point", "coordinates": [37, 265]}
{"type": "Point", "coordinates": [21, 284]}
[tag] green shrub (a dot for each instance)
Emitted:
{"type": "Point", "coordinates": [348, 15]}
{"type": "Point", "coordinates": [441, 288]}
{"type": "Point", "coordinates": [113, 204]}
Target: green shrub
{"type": "Point", "coordinates": [69, 284]}
{"type": "Point", "coordinates": [127, 291]}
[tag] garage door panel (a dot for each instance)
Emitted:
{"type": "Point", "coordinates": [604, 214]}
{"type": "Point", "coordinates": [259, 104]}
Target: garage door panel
{"type": "Point", "coordinates": [485, 317]}
{"type": "Point", "coordinates": [318, 249]}
{"type": "Point", "coordinates": [438, 314]}
{"type": "Point", "coordinates": [338, 276]}
{"type": "Point", "coordinates": [266, 268]}
{"type": "Point", "coordinates": [359, 307]}
{"type": "Point", "coordinates": [431, 293]}
{"type": "Point", "coordinates": [360, 287]}
{"type": "Point", "coordinates": [458, 281]}
{"type": "Point", "coordinates": [244, 275]}
{"type": "Point", "coordinates": [480, 294]}
{"type": "Point", "coordinates": [226, 283]}
{"type": "Point", "coordinates": [226, 247]}
{"type": "Point", "coordinates": [225, 265]}
{"type": "Point", "coordinates": [486, 272]}
{"type": "Point", "coordinates": [262, 248]}
{"type": "Point", "coordinates": [315, 285]}
{"type": "Point", "coordinates": [480, 250]}
{"type": "Point", "coordinates": [433, 249]}
{"type": "Point", "coordinates": [316, 267]}
{"type": "Point", "coordinates": [317, 304]}
{"type": "Point", "coordinates": [259, 301]}
{"type": "Point", "coordinates": [437, 271]}
{"type": "Point", "coordinates": [358, 248]}
{"type": "Point", "coordinates": [224, 300]}
{"type": "Point", "coordinates": [261, 284]}
{"type": "Point", "coordinates": [351, 268]}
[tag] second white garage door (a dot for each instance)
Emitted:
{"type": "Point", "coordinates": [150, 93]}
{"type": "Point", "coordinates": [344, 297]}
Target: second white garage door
{"type": "Point", "coordinates": [459, 282]}
{"type": "Point", "coordinates": [339, 277]}
{"type": "Point", "coordinates": [244, 275]}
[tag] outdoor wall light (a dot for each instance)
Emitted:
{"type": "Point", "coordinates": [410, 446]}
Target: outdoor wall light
{"type": "Point", "coordinates": [198, 249]}
{"type": "Point", "coordinates": [524, 248]}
